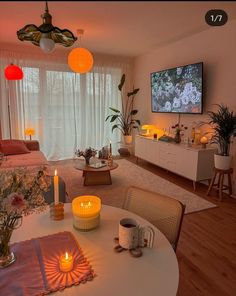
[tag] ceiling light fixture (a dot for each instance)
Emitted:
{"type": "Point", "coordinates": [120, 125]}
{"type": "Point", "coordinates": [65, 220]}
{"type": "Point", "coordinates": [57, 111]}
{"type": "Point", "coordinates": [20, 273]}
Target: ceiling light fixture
{"type": "Point", "coordinates": [46, 35]}
{"type": "Point", "coordinates": [80, 59]}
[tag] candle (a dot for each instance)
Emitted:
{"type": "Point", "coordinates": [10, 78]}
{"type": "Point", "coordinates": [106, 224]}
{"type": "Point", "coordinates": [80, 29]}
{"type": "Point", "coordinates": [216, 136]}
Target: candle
{"type": "Point", "coordinates": [66, 262]}
{"type": "Point", "coordinates": [204, 140]}
{"type": "Point", "coordinates": [86, 206]}
{"type": "Point", "coordinates": [110, 148]}
{"type": "Point", "coordinates": [56, 194]}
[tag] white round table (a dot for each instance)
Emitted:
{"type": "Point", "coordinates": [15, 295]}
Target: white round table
{"type": "Point", "coordinates": [118, 274]}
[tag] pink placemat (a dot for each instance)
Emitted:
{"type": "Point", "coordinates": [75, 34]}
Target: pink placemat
{"type": "Point", "coordinates": [36, 269]}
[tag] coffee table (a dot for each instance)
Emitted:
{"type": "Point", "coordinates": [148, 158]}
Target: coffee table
{"type": "Point", "coordinates": [96, 176]}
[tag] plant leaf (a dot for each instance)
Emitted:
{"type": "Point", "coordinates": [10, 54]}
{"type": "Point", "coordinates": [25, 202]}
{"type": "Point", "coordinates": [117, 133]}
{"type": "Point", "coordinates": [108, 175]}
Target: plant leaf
{"type": "Point", "coordinates": [108, 117]}
{"type": "Point", "coordinates": [122, 81]}
{"type": "Point", "coordinates": [132, 93]}
{"type": "Point", "coordinates": [114, 110]}
{"type": "Point", "coordinates": [114, 117]}
{"type": "Point", "coordinates": [133, 112]}
{"type": "Point", "coordinates": [114, 127]}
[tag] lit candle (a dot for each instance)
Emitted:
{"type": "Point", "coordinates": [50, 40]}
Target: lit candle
{"type": "Point", "coordinates": [66, 262]}
{"type": "Point", "coordinates": [110, 148]}
{"type": "Point", "coordinates": [86, 211]}
{"type": "Point", "coordinates": [56, 192]}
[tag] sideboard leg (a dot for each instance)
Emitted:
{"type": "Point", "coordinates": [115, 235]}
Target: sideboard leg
{"type": "Point", "coordinates": [136, 160]}
{"type": "Point", "coordinates": [194, 185]}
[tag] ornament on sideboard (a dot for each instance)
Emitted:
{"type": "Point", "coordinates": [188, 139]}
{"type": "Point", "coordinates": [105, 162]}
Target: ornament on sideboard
{"type": "Point", "coordinates": [179, 129]}
{"type": "Point", "coordinates": [204, 142]}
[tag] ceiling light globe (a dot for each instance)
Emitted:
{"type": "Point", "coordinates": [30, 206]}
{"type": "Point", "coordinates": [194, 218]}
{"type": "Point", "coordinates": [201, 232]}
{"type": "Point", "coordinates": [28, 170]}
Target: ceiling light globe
{"type": "Point", "coordinates": [80, 60]}
{"type": "Point", "coordinates": [46, 44]}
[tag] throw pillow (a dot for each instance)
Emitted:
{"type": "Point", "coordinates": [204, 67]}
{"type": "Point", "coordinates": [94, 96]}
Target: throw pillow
{"type": "Point", "coordinates": [11, 147]}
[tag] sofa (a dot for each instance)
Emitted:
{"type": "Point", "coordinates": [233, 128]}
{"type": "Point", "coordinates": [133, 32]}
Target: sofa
{"type": "Point", "coordinates": [21, 153]}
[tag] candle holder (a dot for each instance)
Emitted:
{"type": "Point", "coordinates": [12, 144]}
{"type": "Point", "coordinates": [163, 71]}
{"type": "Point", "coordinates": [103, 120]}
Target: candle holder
{"type": "Point", "coordinates": [109, 160]}
{"type": "Point", "coordinates": [57, 211]}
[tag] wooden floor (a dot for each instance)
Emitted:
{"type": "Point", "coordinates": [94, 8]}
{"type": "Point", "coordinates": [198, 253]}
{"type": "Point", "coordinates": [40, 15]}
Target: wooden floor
{"type": "Point", "coordinates": [207, 247]}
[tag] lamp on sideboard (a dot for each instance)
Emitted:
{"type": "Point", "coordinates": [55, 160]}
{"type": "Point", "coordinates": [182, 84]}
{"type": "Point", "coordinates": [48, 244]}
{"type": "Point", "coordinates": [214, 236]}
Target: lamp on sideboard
{"type": "Point", "coordinates": [30, 132]}
{"type": "Point", "coordinates": [12, 72]}
{"type": "Point", "coordinates": [149, 128]}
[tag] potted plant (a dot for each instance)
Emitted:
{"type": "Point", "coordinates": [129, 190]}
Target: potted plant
{"type": "Point", "coordinates": [223, 122]}
{"type": "Point", "coordinates": [124, 119]}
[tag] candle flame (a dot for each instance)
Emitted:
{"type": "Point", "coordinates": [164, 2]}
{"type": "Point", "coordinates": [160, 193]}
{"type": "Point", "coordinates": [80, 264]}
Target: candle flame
{"type": "Point", "coordinates": [81, 204]}
{"type": "Point", "coordinates": [66, 256]}
{"type": "Point", "coordinates": [55, 173]}
{"type": "Point", "coordinates": [89, 204]}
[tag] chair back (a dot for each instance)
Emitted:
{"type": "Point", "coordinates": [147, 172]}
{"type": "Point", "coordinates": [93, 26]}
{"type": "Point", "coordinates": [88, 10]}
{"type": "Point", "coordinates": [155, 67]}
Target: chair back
{"type": "Point", "coordinates": [162, 211]}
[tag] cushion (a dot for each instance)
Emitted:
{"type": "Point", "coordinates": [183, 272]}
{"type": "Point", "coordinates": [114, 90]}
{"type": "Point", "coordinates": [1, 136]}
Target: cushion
{"type": "Point", "coordinates": [11, 147]}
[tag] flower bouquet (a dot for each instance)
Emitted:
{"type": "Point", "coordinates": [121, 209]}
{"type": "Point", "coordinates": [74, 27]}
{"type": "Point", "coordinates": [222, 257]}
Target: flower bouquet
{"type": "Point", "coordinates": [87, 154]}
{"type": "Point", "coordinates": [178, 130]}
{"type": "Point", "coordinates": [21, 194]}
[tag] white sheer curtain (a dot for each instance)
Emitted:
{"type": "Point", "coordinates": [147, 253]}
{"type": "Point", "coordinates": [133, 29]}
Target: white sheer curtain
{"type": "Point", "coordinates": [67, 110]}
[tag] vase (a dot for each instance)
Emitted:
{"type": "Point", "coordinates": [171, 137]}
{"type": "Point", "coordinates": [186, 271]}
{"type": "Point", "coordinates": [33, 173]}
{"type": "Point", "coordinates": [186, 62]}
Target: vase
{"type": "Point", "coordinates": [128, 139]}
{"type": "Point", "coordinates": [87, 159]}
{"type": "Point", "coordinates": [7, 257]}
{"type": "Point", "coordinates": [177, 138]}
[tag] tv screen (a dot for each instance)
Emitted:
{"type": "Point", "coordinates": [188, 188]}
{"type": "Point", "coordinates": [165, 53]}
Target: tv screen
{"type": "Point", "coordinates": [178, 90]}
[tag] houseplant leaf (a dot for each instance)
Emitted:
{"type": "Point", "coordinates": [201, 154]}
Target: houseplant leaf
{"type": "Point", "coordinates": [114, 110]}
{"type": "Point", "coordinates": [132, 93]}
{"type": "Point", "coordinates": [122, 81]}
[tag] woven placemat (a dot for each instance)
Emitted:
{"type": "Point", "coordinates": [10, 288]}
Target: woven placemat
{"type": "Point", "coordinates": [36, 270]}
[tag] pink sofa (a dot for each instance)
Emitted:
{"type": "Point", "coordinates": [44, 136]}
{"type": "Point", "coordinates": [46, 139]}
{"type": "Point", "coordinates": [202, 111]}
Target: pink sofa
{"type": "Point", "coordinates": [35, 158]}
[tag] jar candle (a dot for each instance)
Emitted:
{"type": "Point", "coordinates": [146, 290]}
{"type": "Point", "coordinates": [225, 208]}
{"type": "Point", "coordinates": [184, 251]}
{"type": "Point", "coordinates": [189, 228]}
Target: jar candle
{"type": "Point", "coordinates": [66, 262]}
{"type": "Point", "coordinates": [86, 212]}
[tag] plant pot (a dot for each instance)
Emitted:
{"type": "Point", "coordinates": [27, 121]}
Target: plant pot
{"type": "Point", "coordinates": [128, 139]}
{"type": "Point", "coordinates": [222, 162]}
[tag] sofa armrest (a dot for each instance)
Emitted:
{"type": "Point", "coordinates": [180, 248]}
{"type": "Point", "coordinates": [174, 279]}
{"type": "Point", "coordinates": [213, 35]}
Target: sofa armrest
{"type": "Point", "coordinates": [32, 145]}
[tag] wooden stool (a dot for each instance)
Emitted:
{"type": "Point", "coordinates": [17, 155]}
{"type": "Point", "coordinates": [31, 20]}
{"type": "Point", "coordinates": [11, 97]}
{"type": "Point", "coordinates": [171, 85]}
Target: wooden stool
{"type": "Point", "coordinates": [220, 184]}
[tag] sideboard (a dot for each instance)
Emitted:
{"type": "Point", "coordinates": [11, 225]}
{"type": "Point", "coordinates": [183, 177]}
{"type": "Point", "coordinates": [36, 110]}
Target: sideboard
{"type": "Point", "coordinates": [194, 163]}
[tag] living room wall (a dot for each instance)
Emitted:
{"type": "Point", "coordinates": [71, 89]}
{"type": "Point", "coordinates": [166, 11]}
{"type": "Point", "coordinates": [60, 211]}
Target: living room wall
{"type": "Point", "coordinates": [216, 48]}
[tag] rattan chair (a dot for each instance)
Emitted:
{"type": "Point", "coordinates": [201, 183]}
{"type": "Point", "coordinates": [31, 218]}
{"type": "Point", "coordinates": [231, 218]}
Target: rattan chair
{"type": "Point", "coordinates": [162, 211]}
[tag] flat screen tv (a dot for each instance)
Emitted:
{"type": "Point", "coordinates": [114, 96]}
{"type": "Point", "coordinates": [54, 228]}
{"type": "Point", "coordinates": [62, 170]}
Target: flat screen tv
{"type": "Point", "coordinates": [178, 90]}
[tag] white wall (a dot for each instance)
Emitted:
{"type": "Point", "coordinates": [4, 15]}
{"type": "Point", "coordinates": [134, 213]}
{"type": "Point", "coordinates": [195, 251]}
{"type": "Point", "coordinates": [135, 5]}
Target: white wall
{"type": "Point", "coordinates": [216, 48]}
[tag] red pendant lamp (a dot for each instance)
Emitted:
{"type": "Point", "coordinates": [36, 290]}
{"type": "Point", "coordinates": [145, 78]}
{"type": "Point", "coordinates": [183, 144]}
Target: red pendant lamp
{"type": "Point", "coordinates": [13, 72]}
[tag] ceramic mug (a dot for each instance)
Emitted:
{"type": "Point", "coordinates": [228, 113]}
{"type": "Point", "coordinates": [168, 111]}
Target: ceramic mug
{"type": "Point", "coordinates": [131, 235]}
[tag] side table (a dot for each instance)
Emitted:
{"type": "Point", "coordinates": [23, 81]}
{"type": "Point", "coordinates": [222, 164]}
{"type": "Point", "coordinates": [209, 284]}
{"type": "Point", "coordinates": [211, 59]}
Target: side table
{"type": "Point", "coordinates": [220, 183]}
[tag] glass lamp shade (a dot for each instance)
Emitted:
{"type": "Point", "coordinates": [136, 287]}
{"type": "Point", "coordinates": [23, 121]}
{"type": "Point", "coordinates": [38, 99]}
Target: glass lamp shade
{"type": "Point", "coordinates": [13, 72]}
{"type": "Point", "coordinates": [47, 44]}
{"type": "Point", "coordinates": [80, 60]}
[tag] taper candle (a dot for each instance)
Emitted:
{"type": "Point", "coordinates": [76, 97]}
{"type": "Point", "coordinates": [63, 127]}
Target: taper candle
{"type": "Point", "coordinates": [110, 148]}
{"type": "Point", "coordinates": [56, 191]}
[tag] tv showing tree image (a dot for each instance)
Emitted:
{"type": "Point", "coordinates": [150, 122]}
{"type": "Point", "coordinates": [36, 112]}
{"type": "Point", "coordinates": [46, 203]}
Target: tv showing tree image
{"type": "Point", "coordinates": [178, 90]}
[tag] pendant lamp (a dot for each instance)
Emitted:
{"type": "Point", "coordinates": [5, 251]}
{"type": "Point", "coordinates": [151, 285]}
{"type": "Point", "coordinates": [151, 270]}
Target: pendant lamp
{"type": "Point", "coordinates": [46, 35]}
{"type": "Point", "coordinates": [80, 60]}
{"type": "Point", "coordinates": [12, 72]}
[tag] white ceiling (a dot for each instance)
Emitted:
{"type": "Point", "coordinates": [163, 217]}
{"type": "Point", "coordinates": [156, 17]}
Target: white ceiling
{"type": "Point", "coordinates": [127, 28]}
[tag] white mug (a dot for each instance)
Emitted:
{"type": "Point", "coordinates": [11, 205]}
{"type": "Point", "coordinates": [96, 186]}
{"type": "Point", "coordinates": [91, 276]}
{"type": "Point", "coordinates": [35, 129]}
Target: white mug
{"type": "Point", "coordinates": [131, 235]}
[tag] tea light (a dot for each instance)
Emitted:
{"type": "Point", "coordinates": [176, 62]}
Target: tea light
{"type": "Point", "coordinates": [66, 262]}
{"type": "Point", "coordinates": [86, 211]}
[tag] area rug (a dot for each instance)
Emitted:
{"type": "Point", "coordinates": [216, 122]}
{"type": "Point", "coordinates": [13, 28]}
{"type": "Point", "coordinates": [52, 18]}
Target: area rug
{"type": "Point", "coordinates": [126, 175]}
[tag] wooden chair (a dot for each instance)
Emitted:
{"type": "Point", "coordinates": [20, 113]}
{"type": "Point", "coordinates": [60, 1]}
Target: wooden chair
{"type": "Point", "coordinates": [219, 185]}
{"type": "Point", "coordinates": [162, 211]}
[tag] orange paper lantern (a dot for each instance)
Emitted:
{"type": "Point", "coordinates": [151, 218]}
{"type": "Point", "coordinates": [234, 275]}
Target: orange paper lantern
{"type": "Point", "coordinates": [80, 60]}
{"type": "Point", "coordinates": [13, 72]}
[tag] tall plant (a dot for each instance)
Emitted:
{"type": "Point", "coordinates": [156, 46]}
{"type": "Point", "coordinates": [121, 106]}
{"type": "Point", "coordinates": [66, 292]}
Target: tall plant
{"type": "Point", "coordinates": [223, 123]}
{"type": "Point", "coordinates": [124, 119]}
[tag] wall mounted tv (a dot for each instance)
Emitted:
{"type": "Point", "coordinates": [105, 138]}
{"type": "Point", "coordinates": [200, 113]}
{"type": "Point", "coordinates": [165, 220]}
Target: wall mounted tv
{"type": "Point", "coordinates": [178, 90]}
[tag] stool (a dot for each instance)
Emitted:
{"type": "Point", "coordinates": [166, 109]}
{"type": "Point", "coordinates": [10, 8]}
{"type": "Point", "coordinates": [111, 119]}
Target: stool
{"type": "Point", "coordinates": [220, 184]}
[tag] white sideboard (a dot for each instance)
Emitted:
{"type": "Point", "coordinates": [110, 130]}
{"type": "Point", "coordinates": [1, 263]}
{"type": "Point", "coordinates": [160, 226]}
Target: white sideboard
{"type": "Point", "coordinates": [193, 163]}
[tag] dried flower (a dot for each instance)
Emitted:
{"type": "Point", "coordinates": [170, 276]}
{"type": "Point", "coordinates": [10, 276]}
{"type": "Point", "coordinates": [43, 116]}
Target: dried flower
{"type": "Point", "coordinates": [89, 152]}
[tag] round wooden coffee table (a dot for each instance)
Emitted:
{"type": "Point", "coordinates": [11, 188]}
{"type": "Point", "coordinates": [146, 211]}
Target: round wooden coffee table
{"type": "Point", "coordinates": [96, 176]}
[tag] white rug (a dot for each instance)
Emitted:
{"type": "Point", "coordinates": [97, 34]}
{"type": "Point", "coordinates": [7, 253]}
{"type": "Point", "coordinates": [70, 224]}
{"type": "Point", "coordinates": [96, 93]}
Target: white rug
{"type": "Point", "coordinates": [127, 174]}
